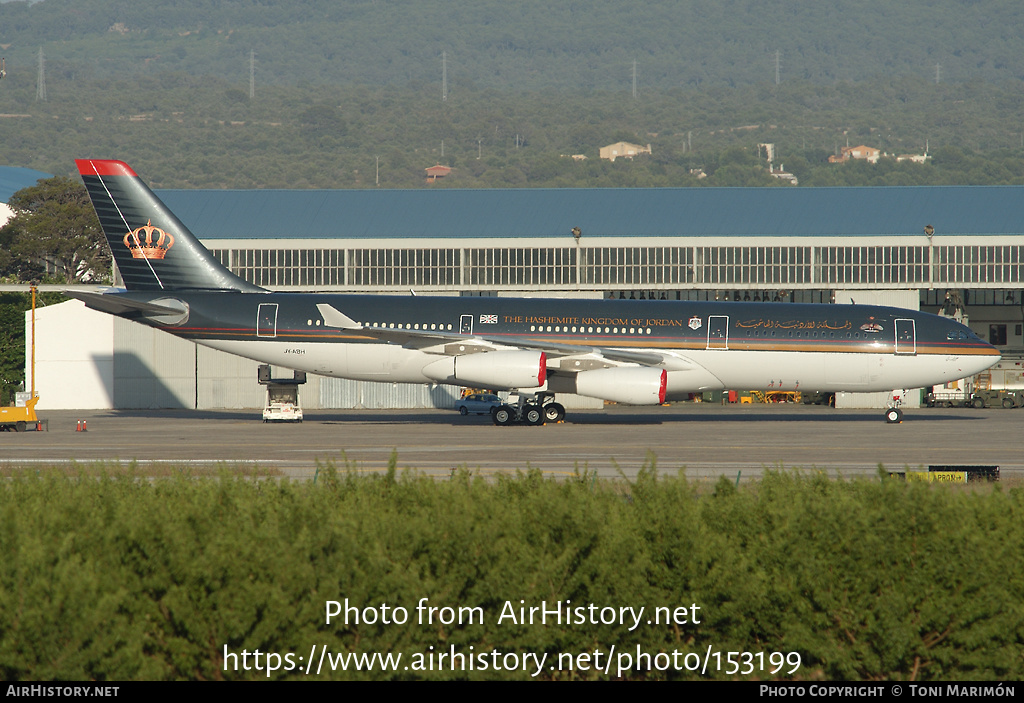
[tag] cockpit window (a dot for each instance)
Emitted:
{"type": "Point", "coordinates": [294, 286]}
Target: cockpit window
{"type": "Point", "coordinates": [961, 334]}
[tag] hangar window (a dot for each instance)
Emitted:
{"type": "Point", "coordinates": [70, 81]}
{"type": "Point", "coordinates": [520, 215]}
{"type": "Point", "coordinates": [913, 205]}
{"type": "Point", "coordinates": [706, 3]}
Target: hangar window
{"type": "Point", "coordinates": [980, 264]}
{"type": "Point", "coordinates": [881, 264]}
{"type": "Point", "coordinates": [636, 266]}
{"type": "Point", "coordinates": [382, 268]}
{"type": "Point", "coordinates": [765, 265]}
{"type": "Point", "coordinates": [286, 267]}
{"type": "Point", "coordinates": [542, 266]}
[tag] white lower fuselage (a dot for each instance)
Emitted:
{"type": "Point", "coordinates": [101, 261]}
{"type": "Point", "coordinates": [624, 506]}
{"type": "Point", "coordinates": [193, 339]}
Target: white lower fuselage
{"type": "Point", "coordinates": [689, 370]}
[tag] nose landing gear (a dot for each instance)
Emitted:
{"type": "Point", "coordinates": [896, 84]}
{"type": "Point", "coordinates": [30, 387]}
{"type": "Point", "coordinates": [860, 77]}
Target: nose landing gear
{"type": "Point", "coordinates": [893, 414]}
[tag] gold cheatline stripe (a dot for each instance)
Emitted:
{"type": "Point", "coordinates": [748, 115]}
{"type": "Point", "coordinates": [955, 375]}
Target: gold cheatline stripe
{"type": "Point", "coordinates": [628, 344]}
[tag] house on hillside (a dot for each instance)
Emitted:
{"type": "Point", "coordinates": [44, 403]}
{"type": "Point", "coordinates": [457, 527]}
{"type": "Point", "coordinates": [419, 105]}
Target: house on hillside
{"type": "Point", "coordinates": [914, 158]}
{"type": "Point", "coordinates": [435, 172]}
{"type": "Point", "coordinates": [624, 149]}
{"type": "Point", "coordinates": [782, 174]}
{"type": "Point", "coordinates": [869, 154]}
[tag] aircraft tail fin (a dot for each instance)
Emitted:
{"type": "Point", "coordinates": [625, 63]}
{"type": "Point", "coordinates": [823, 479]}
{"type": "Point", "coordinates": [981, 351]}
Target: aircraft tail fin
{"type": "Point", "coordinates": [152, 248]}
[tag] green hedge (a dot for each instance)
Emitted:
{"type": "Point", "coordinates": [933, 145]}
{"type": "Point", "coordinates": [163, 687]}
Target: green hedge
{"type": "Point", "coordinates": [118, 578]}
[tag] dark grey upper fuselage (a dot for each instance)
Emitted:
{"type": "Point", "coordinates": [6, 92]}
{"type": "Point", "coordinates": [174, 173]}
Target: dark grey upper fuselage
{"type": "Point", "coordinates": [635, 324]}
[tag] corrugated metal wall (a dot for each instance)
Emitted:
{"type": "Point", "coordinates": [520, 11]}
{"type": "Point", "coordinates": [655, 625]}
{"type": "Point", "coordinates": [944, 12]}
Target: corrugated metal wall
{"type": "Point", "coordinates": [227, 381]}
{"type": "Point", "coordinates": [342, 393]}
{"type": "Point", "coordinates": [152, 369]}
{"type": "Point", "coordinates": [74, 361]}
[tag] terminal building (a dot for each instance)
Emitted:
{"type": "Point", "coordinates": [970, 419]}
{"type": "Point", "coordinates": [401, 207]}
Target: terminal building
{"type": "Point", "coordinates": [955, 248]}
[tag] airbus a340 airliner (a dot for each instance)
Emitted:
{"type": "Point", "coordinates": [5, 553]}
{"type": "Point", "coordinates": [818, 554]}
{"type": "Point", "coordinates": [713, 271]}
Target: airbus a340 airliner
{"type": "Point", "coordinates": [628, 351]}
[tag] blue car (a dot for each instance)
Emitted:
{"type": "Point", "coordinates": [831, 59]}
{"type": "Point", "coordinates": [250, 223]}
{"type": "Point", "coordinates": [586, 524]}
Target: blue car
{"type": "Point", "coordinates": [479, 403]}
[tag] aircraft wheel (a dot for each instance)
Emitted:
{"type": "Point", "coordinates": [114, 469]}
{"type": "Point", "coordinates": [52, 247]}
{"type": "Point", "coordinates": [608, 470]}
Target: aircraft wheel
{"type": "Point", "coordinates": [533, 415]}
{"type": "Point", "coordinates": [554, 412]}
{"type": "Point", "coordinates": [893, 415]}
{"type": "Point", "coordinates": [504, 416]}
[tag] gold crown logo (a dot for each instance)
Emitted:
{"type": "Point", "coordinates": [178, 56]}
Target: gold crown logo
{"type": "Point", "coordinates": [140, 242]}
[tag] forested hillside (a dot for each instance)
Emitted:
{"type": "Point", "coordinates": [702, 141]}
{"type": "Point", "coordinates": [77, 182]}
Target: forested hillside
{"type": "Point", "coordinates": [355, 94]}
{"type": "Point", "coordinates": [182, 131]}
{"type": "Point", "coordinates": [526, 45]}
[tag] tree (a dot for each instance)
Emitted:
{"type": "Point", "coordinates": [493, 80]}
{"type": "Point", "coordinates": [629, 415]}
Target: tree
{"type": "Point", "coordinates": [12, 345]}
{"type": "Point", "coordinates": [55, 230]}
{"type": "Point", "coordinates": [13, 307]}
{"type": "Point", "coordinates": [324, 119]}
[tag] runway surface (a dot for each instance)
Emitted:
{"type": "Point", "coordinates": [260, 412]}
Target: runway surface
{"type": "Point", "coordinates": [704, 440]}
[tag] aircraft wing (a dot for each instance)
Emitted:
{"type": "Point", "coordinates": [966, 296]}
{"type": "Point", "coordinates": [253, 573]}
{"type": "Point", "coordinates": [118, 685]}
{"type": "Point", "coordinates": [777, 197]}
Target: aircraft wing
{"type": "Point", "coordinates": [422, 339]}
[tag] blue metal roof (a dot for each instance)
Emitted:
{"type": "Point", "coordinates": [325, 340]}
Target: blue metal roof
{"type": "Point", "coordinates": [13, 179]}
{"type": "Point", "coordinates": [626, 212]}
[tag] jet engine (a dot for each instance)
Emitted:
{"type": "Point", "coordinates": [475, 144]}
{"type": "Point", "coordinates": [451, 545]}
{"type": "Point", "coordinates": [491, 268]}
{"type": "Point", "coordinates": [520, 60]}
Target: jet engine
{"type": "Point", "coordinates": [635, 385]}
{"type": "Point", "coordinates": [497, 369]}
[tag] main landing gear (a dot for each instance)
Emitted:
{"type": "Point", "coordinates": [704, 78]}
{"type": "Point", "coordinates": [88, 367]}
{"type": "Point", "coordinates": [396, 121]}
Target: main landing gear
{"type": "Point", "coordinates": [530, 409]}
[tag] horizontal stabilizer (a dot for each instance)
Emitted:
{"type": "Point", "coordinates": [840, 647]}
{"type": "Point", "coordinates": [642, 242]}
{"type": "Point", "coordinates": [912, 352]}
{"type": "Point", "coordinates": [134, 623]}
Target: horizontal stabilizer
{"type": "Point", "coordinates": [119, 305]}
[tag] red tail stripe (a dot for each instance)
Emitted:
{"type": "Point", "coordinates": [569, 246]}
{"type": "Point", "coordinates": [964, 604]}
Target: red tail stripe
{"type": "Point", "coordinates": [102, 167]}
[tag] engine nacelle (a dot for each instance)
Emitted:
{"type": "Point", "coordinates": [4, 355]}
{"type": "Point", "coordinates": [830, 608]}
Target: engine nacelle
{"type": "Point", "coordinates": [634, 385]}
{"type": "Point", "coordinates": [497, 369]}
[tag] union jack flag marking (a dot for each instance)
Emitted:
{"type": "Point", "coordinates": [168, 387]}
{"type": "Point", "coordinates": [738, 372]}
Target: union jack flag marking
{"type": "Point", "coordinates": [488, 319]}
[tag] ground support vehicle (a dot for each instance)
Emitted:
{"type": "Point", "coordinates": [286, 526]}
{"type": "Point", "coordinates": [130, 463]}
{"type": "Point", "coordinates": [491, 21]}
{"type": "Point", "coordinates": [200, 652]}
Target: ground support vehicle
{"type": "Point", "coordinates": [997, 399]}
{"type": "Point", "coordinates": [282, 396]}
{"type": "Point", "coordinates": [816, 398]}
{"type": "Point", "coordinates": [947, 399]}
{"type": "Point", "coordinates": [19, 419]}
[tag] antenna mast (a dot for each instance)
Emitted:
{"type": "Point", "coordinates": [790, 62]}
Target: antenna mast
{"type": "Point", "coordinates": [41, 80]}
{"type": "Point", "coordinates": [444, 76]}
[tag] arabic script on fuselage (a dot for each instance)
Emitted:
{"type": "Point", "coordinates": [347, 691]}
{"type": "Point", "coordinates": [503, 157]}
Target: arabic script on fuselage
{"type": "Point", "coordinates": [796, 324]}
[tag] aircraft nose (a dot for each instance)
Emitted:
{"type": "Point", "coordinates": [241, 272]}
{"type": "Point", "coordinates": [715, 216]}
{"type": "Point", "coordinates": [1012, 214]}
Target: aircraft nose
{"type": "Point", "coordinates": [989, 357]}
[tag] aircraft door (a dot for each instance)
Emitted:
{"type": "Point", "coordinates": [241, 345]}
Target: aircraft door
{"type": "Point", "coordinates": [466, 324]}
{"type": "Point", "coordinates": [906, 337]}
{"type": "Point", "coordinates": [266, 320]}
{"type": "Point", "coordinates": [718, 332]}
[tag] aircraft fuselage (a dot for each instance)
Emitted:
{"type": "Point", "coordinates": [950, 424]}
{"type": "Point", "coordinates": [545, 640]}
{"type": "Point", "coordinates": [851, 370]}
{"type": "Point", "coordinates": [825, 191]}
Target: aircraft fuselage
{"type": "Point", "coordinates": [704, 345]}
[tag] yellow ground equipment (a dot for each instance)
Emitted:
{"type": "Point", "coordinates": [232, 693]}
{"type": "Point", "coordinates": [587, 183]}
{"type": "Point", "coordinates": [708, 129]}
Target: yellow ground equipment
{"type": "Point", "coordinates": [20, 419]}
